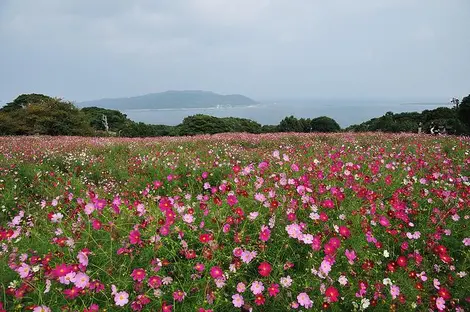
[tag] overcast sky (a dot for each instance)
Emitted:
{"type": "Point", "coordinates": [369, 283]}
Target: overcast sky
{"type": "Point", "coordinates": [91, 49]}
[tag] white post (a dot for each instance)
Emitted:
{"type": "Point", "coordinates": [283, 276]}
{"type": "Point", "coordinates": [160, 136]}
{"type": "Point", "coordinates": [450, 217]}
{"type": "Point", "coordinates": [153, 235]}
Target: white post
{"type": "Point", "coordinates": [105, 122]}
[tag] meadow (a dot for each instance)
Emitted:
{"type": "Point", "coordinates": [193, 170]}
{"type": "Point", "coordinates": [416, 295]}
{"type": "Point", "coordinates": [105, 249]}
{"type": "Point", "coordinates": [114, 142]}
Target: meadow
{"type": "Point", "coordinates": [235, 222]}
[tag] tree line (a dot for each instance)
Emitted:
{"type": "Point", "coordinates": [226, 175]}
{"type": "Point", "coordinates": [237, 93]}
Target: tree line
{"type": "Point", "coordinates": [32, 114]}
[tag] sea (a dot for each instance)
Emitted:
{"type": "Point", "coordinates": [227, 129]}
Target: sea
{"type": "Point", "coordinates": [345, 112]}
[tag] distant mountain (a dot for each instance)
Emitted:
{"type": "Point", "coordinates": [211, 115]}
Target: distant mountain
{"type": "Point", "coordinates": [172, 99]}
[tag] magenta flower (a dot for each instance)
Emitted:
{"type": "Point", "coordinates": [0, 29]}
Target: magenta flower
{"type": "Point", "coordinates": [179, 295]}
{"type": "Point", "coordinates": [134, 237]}
{"type": "Point", "coordinates": [265, 233]}
{"type": "Point", "coordinates": [351, 255]}
{"type": "Point", "coordinates": [232, 200]}
{"type": "Point", "coordinates": [154, 282]}
{"type": "Point", "coordinates": [216, 272]}
{"type": "Point", "coordinates": [138, 274]}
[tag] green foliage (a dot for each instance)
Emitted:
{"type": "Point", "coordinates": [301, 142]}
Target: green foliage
{"type": "Point", "coordinates": [204, 124]}
{"type": "Point", "coordinates": [269, 129]}
{"type": "Point", "coordinates": [324, 124]}
{"type": "Point", "coordinates": [409, 122]}
{"type": "Point", "coordinates": [24, 100]}
{"type": "Point", "coordinates": [291, 124]}
{"type": "Point", "coordinates": [40, 114]}
{"type": "Point", "coordinates": [464, 112]}
{"type": "Point", "coordinates": [116, 120]}
{"type": "Point", "coordinates": [319, 124]}
{"type": "Point", "coordinates": [140, 129]}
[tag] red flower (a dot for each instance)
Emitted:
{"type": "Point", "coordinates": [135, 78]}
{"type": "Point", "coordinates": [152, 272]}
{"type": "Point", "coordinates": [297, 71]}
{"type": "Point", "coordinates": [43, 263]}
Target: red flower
{"type": "Point", "coordinates": [167, 307]}
{"type": "Point", "coordinates": [61, 270]}
{"type": "Point", "coordinates": [444, 293]}
{"type": "Point", "coordinates": [72, 293]}
{"type": "Point", "coordinates": [264, 269]}
{"type": "Point", "coordinates": [344, 231]}
{"type": "Point", "coordinates": [329, 249]}
{"type": "Point", "coordinates": [259, 299]}
{"type": "Point", "coordinates": [154, 281]}
{"type": "Point", "coordinates": [205, 238]}
{"type": "Point", "coordinates": [138, 275]}
{"type": "Point", "coordinates": [335, 242]}
{"type": "Point", "coordinates": [402, 261]}
{"type": "Point", "coordinates": [445, 258]}
{"type": "Point", "coordinates": [332, 294]}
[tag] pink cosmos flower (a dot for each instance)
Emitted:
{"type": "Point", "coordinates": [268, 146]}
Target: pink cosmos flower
{"type": "Point", "coordinates": [23, 270]}
{"type": "Point", "coordinates": [241, 287]}
{"type": "Point", "coordinates": [440, 303]}
{"type": "Point", "coordinates": [82, 258]}
{"type": "Point", "coordinates": [42, 308]}
{"type": "Point", "coordinates": [179, 295]}
{"type": "Point", "coordinates": [247, 256]}
{"type": "Point", "coordinates": [351, 255]}
{"type": "Point", "coordinates": [121, 298]}
{"type": "Point", "coordinates": [57, 217]}
{"type": "Point", "coordinates": [293, 230]}
{"type": "Point", "coordinates": [395, 291]}
{"type": "Point", "coordinates": [68, 278]}
{"type": "Point", "coordinates": [81, 280]}
{"type": "Point", "coordinates": [304, 300]}
{"type": "Point", "coordinates": [325, 267]}
{"type": "Point", "coordinates": [237, 301]}
{"type": "Point", "coordinates": [89, 208]}
{"type": "Point", "coordinates": [257, 288]}
{"type": "Point", "coordinates": [286, 281]}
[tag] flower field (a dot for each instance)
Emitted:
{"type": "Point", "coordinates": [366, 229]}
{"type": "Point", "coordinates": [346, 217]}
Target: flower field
{"type": "Point", "coordinates": [235, 222]}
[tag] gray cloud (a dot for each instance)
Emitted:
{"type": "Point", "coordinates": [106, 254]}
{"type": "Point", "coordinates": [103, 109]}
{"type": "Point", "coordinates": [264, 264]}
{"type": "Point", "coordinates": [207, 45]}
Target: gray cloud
{"type": "Point", "coordinates": [263, 48]}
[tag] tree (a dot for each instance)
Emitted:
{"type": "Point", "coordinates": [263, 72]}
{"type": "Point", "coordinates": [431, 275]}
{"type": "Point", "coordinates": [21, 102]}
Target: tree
{"type": "Point", "coordinates": [464, 112]}
{"type": "Point", "coordinates": [290, 124]}
{"type": "Point", "coordinates": [116, 120]}
{"type": "Point", "coordinates": [23, 100]}
{"type": "Point", "coordinates": [324, 124]}
{"type": "Point", "coordinates": [41, 114]}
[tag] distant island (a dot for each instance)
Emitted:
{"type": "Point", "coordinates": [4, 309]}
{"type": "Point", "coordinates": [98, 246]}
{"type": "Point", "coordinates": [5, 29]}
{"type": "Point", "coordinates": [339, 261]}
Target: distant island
{"type": "Point", "coordinates": [172, 99]}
